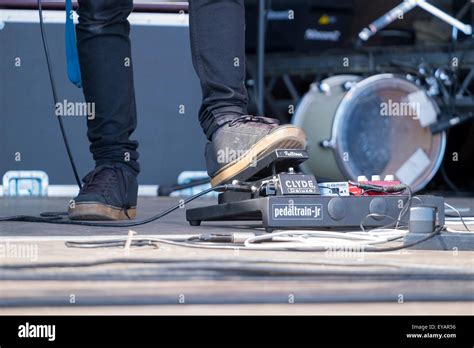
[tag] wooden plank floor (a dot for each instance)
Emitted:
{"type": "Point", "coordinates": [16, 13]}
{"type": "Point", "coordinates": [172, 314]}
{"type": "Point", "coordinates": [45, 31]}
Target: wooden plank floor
{"type": "Point", "coordinates": [177, 280]}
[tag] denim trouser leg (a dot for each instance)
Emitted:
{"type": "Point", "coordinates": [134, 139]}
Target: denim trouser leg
{"type": "Point", "coordinates": [107, 74]}
{"type": "Point", "coordinates": [217, 29]}
{"type": "Point", "coordinates": [218, 51]}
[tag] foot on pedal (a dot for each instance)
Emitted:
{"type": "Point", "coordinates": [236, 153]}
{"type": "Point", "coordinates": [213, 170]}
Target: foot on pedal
{"type": "Point", "coordinates": [109, 193]}
{"type": "Point", "coordinates": [237, 145]}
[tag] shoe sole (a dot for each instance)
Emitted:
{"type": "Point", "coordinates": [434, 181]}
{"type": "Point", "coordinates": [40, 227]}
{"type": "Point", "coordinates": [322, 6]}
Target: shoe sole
{"type": "Point", "coordinates": [284, 137]}
{"type": "Point", "coordinates": [100, 212]}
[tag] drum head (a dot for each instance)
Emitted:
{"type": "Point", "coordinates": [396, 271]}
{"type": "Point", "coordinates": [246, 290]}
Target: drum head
{"type": "Point", "coordinates": [380, 128]}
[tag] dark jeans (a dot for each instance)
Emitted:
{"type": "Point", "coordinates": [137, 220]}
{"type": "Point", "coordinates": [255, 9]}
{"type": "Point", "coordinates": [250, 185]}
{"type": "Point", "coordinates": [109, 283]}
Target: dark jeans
{"type": "Point", "coordinates": [218, 52]}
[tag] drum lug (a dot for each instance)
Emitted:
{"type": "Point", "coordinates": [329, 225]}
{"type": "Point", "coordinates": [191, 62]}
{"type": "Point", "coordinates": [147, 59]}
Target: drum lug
{"type": "Point", "coordinates": [328, 144]}
{"type": "Point", "coordinates": [324, 88]}
{"type": "Point", "coordinates": [348, 85]}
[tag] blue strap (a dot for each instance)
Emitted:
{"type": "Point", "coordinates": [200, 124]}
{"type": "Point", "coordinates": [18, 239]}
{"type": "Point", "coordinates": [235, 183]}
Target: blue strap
{"type": "Point", "coordinates": [72, 57]}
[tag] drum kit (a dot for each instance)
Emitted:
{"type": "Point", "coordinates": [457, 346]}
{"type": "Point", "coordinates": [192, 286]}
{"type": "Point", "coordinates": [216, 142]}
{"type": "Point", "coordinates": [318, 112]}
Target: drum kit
{"type": "Point", "coordinates": [379, 125]}
{"type": "Point", "coordinates": [372, 126]}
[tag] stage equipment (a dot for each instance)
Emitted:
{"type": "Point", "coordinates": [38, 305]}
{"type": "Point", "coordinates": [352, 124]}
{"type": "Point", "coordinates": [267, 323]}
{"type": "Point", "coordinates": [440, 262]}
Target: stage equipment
{"type": "Point", "coordinates": [406, 6]}
{"type": "Point", "coordinates": [374, 126]}
{"type": "Point", "coordinates": [275, 193]}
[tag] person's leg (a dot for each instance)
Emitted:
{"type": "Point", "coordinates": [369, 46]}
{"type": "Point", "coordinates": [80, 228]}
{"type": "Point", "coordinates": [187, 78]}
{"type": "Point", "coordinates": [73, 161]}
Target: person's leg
{"type": "Point", "coordinates": [105, 59]}
{"type": "Point", "coordinates": [236, 140]}
{"type": "Point", "coordinates": [217, 34]}
{"type": "Point", "coordinates": [110, 190]}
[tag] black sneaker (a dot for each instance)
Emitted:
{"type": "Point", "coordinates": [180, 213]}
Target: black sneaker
{"type": "Point", "coordinates": [109, 193]}
{"type": "Point", "coordinates": [238, 144]}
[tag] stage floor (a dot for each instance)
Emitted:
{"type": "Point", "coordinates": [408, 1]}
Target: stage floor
{"type": "Point", "coordinates": [178, 280]}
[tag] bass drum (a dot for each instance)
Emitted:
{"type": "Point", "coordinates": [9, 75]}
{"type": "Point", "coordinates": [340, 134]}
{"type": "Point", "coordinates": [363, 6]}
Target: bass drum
{"type": "Point", "coordinates": [370, 127]}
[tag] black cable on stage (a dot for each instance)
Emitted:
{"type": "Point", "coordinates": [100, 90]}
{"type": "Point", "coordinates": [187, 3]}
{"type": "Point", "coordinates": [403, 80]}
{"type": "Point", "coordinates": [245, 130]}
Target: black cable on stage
{"type": "Point", "coordinates": [56, 219]}
{"type": "Point", "coordinates": [55, 95]}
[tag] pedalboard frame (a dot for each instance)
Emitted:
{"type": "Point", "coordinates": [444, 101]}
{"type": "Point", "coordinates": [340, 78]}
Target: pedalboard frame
{"type": "Point", "coordinates": [314, 212]}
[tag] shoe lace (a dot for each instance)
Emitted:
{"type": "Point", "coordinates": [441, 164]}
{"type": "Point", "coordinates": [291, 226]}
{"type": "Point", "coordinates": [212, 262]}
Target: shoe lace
{"type": "Point", "coordinates": [251, 118]}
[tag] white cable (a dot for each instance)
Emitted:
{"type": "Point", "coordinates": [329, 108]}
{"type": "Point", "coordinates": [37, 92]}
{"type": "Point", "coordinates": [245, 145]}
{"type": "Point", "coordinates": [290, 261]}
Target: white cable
{"type": "Point", "coordinates": [321, 240]}
{"type": "Point", "coordinates": [459, 214]}
{"type": "Point", "coordinates": [297, 241]}
{"type": "Point", "coordinates": [303, 240]}
{"type": "Point", "coordinates": [452, 208]}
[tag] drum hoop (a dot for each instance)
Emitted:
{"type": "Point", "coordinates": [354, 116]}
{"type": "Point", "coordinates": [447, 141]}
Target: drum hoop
{"type": "Point", "coordinates": [313, 90]}
{"type": "Point", "coordinates": [307, 100]}
{"type": "Point", "coordinates": [341, 110]}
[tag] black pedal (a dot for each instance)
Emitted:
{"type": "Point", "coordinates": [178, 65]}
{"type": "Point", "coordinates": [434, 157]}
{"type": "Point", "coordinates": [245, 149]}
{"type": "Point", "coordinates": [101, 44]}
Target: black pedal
{"type": "Point", "coordinates": [278, 161]}
{"type": "Point", "coordinates": [275, 162]}
{"type": "Point", "coordinates": [291, 183]}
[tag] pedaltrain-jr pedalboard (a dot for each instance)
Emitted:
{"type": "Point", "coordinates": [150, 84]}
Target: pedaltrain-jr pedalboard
{"type": "Point", "coordinates": [282, 198]}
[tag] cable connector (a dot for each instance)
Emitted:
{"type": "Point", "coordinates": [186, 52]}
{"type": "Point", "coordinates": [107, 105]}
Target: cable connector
{"type": "Point", "coordinates": [233, 238]}
{"type": "Point", "coordinates": [216, 238]}
{"type": "Point", "coordinates": [236, 186]}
